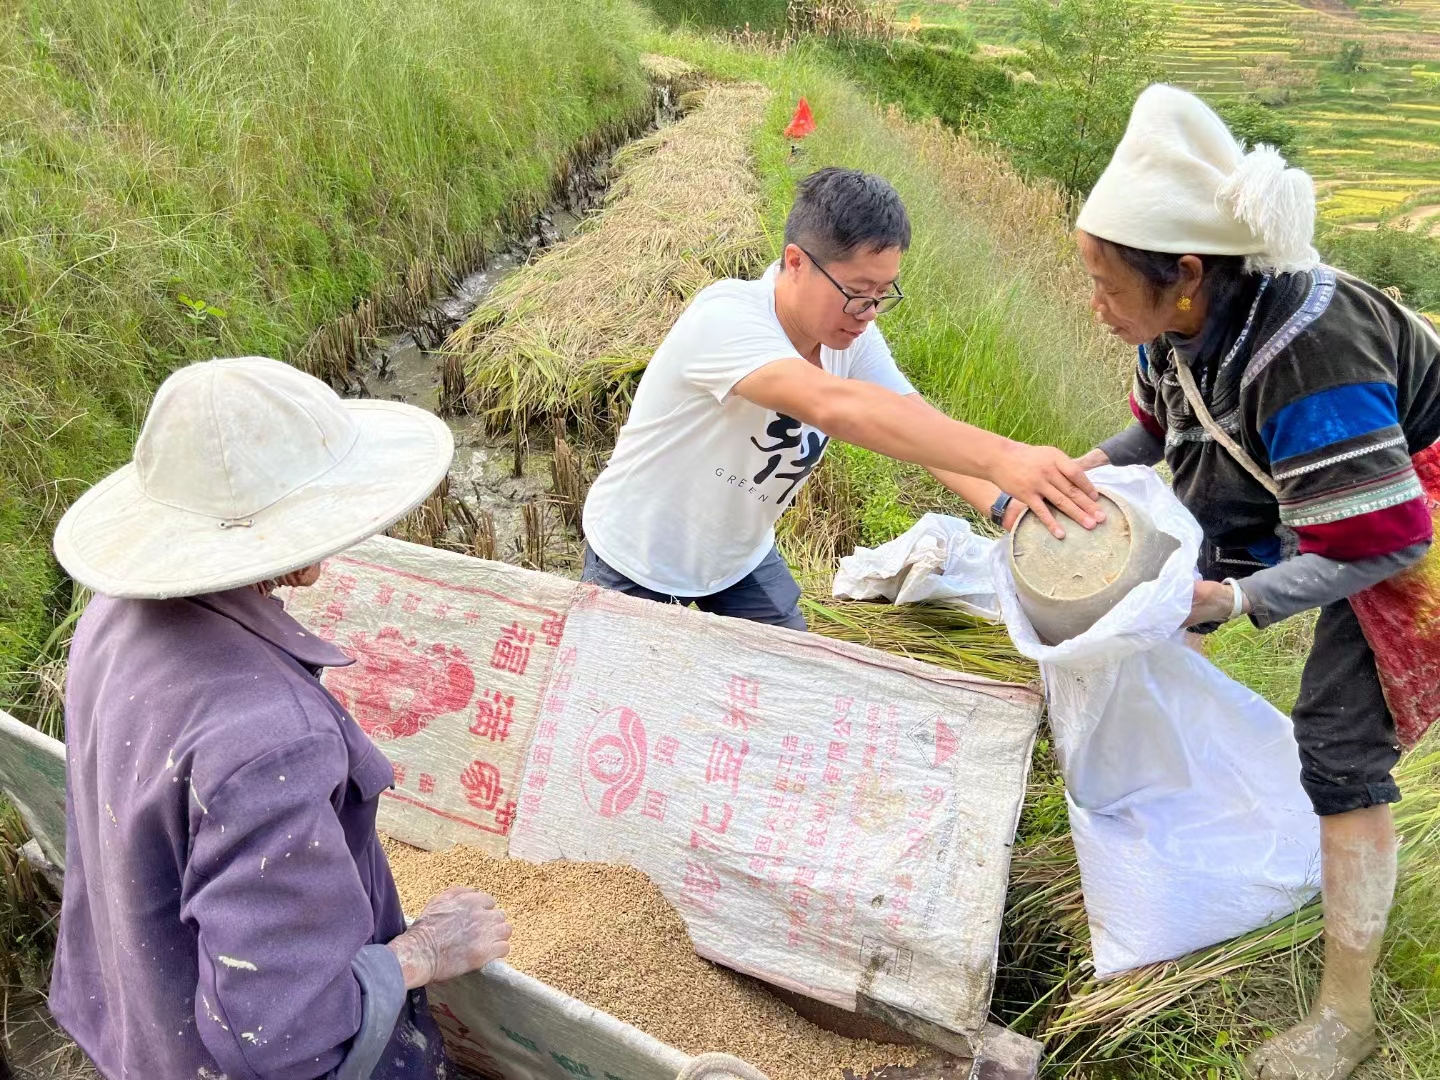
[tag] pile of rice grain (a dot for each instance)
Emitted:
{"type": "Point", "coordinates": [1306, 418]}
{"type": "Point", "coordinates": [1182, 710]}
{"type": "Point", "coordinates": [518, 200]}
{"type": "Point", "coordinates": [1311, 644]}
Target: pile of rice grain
{"type": "Point", "coordinates": [606, 935]}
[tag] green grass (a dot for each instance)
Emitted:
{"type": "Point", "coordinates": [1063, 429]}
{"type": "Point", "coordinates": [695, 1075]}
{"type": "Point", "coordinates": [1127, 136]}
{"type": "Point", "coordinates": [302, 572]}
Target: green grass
{"type": "Point", "coordinates": [1364, 131]}
{"type": "Point", "coordinates": [722, 15]}
{"type": "Point", "coordinates": [926, 79]}
{"type": "Point", "coordinates": [276, 161]}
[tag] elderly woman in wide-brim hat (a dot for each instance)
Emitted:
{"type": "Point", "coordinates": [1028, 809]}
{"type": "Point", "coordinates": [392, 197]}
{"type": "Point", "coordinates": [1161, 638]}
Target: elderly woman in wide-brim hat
{"type": "Point", "coordinates": [1299, 410]}
{"type": "Point", "coordinates": [227, 908]}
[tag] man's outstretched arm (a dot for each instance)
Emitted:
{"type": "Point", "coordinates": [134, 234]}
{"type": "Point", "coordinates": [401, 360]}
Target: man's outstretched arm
{"type": "Point", "coordinates": [908, 428]}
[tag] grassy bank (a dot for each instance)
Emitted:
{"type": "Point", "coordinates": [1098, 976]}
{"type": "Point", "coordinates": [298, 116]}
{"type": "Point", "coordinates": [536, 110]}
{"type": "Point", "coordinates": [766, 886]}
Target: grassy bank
{"type": "Point", "coordinates": [180, 179]}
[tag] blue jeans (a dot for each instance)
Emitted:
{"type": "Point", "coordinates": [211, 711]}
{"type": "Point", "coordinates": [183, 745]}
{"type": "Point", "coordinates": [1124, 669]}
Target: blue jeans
{"type": "Point", "coordinates": [768, 594]}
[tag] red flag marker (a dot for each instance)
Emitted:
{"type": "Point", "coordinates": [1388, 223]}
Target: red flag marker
{"type": "Point", "coordinates": [802, 123]}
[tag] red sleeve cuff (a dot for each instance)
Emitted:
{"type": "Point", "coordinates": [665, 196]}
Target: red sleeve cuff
{"type": "Point", "coordinates": [1368, 536]}
{"type": "Point", "coordinates": [1148, 422]}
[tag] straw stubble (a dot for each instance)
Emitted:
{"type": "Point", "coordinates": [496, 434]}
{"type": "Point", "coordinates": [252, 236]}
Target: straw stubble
{"type": "Point", "coordinates": [607, 936]}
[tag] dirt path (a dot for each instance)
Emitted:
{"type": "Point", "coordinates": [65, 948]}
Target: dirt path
{"type": "Point", "coordinates": [34, 1047]}
{"type": "Point", "coordinates": [1424, 219]}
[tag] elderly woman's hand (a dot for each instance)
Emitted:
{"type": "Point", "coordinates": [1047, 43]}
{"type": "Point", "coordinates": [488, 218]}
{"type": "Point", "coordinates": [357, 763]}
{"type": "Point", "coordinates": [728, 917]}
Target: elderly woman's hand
{"type": "Point", "coordinates": [460, 930]}
{"type": "Point", "coordinates": [1213, 601]}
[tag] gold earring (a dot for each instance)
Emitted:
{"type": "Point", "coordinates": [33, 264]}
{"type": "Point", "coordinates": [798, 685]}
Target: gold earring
{"type": "Point", "coordinates": [1184, 304]}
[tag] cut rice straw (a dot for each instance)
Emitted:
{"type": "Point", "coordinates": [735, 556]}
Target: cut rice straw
{"type": "Point", "coordinates": [558, 337]}
{"type": "Point", "coordinates": [936, 635]}
{"type": "Point", "coordinates": [1099, 1017]}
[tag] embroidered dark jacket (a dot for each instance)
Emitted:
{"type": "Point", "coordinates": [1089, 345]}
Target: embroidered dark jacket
{"type": "Point", "coordinates": [1330, 386]}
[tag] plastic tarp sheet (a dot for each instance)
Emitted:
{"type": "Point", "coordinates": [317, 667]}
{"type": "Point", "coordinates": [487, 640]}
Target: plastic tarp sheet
{"type": "Point", "coordinates": [825, 816]}
{"type": "Point", "coordinates": [1183, 786]}
{"type": "Point", "coordinates": [938, 560]}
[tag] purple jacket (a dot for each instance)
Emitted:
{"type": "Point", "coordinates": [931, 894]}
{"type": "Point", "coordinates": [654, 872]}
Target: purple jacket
{"type": "Point", "coordinates": [222, 867]}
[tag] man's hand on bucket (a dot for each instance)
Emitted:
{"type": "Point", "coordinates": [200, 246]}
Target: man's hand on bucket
{"type": "Point", "coordinates": [1042, 477]}
{"type": "Point", "coordinates": [460, 930]}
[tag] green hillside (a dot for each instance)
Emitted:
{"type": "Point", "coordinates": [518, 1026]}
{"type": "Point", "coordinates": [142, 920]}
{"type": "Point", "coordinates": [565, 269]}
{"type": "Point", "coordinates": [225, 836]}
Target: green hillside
{"type": "Point", "coordinates": [1369, 117]}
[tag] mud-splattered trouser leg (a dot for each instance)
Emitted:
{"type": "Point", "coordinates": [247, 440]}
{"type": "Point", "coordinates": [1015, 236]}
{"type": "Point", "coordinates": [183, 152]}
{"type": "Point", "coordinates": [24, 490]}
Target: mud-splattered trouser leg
{"type": "Point", "coordinates": [1347, 749]}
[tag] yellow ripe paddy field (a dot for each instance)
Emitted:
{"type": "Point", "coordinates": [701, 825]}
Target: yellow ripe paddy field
{"type": "Point", "coordinates": [1370, 134]}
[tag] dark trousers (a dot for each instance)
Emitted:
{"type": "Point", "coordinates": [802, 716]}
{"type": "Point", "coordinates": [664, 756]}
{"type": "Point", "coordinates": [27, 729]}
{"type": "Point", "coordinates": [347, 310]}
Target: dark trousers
{"type": "Point", "coordinates": [768, 594]}
{"type": "Point", "coordinates": [1345, 731]}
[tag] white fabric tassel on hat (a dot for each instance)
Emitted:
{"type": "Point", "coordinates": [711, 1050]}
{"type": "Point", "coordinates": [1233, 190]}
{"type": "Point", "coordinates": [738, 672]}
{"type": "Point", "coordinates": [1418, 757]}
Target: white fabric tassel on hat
{"type": "Point", "coordinates": [1278, 205]}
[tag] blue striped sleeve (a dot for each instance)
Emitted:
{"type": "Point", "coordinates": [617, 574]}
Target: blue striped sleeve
{"type": "Point", "coordinates": [1329, 416]}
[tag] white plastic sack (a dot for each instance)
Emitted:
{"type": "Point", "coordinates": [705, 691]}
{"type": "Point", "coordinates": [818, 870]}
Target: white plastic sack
{"type": "Point", "coordinates": [1183, 786]}
{"type": "Point", "coordinates": [939, 560]}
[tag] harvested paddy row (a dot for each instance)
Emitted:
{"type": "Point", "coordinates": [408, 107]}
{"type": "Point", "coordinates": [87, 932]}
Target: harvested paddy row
{"type": "Point", "coordinates": [558, 339]}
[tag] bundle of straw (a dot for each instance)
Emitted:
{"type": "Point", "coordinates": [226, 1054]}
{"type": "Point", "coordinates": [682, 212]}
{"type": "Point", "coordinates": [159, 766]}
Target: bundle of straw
{"type": "Point", "coordinates": [554, 339]}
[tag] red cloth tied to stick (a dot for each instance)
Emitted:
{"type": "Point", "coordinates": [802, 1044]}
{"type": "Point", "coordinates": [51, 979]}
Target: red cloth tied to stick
{"type": "Point", "coordinates": [1401, 620]}
{"type": "Point", "coordinates": [802, 123]}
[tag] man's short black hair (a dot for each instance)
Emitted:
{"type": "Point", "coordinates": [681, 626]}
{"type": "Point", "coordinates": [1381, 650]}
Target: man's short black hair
{"type": "Point", "coordinates": [838, 212]}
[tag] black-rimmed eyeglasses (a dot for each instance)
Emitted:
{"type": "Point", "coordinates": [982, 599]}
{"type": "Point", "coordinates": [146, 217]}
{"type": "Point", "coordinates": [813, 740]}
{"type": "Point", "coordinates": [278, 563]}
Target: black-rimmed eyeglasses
{"type": "Point", "coordinates": [859, 305]}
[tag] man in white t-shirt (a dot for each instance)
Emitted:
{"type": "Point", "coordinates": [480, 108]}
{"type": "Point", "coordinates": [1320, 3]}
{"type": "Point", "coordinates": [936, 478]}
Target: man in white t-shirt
{"type": "Point", "coordinates": [745, 392]}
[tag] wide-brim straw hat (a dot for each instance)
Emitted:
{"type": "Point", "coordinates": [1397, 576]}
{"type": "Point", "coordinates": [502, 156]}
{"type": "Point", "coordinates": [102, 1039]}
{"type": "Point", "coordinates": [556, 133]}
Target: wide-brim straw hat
{"type": "Point", "coordinates": [247, 469]}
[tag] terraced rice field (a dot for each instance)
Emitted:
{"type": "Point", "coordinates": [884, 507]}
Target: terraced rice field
{"type": "Point", "coordinates": [1371, 138]}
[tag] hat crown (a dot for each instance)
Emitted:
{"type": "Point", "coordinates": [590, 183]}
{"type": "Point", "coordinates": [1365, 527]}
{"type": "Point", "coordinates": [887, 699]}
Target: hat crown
{"type": "Point", "coordinates": [1180, 182]}
{"type": "Point", "coordinates": [227, 438]}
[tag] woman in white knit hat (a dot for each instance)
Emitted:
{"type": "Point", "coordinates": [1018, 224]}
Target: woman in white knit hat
{"type": "Point", "coordinates": [1298, 409]}
{"type": "Point", "coordinates": [228, 909]}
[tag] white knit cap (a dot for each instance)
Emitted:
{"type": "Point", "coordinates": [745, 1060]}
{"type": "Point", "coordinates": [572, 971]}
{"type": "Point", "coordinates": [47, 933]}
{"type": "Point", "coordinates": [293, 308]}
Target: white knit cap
{"type": "Point", "coordinates": [1181, 183]}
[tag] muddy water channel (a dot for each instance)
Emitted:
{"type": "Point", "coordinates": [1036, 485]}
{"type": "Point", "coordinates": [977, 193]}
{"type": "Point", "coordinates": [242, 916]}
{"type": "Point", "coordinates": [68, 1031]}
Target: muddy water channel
{"type": "Point", "coordinates": [510, 496]}
{"type": "Point", "coordinates": [514, 511]}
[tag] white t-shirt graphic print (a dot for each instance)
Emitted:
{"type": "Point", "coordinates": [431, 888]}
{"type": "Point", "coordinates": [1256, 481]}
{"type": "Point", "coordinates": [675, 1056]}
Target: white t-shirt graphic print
{"type": "Point", "coordinates": [688, 503]}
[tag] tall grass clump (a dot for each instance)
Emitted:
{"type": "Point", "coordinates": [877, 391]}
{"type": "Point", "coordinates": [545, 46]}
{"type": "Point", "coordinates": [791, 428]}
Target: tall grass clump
{"type": "Point", "coordinates": [181, 179]}
{"type": "Point", "coordinates": [761, 15]}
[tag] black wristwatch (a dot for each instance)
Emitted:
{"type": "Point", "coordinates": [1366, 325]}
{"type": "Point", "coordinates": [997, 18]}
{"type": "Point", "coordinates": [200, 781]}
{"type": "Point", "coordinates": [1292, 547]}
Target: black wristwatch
{"type": "Point", "coordinates": [997, 512]}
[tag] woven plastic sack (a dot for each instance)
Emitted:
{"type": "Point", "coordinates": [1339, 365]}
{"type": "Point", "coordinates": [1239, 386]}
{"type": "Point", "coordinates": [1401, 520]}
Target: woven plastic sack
{"type": "Point", "coordinates": [452, 656]}
{"type": "Point", "coordinates": [1183, 786]}
{"type": "Point", "coordinates": [828, 818]}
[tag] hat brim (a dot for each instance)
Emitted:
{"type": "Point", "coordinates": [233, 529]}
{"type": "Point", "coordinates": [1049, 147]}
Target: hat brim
{"type": "Point", "coordinates": [118, 541]}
